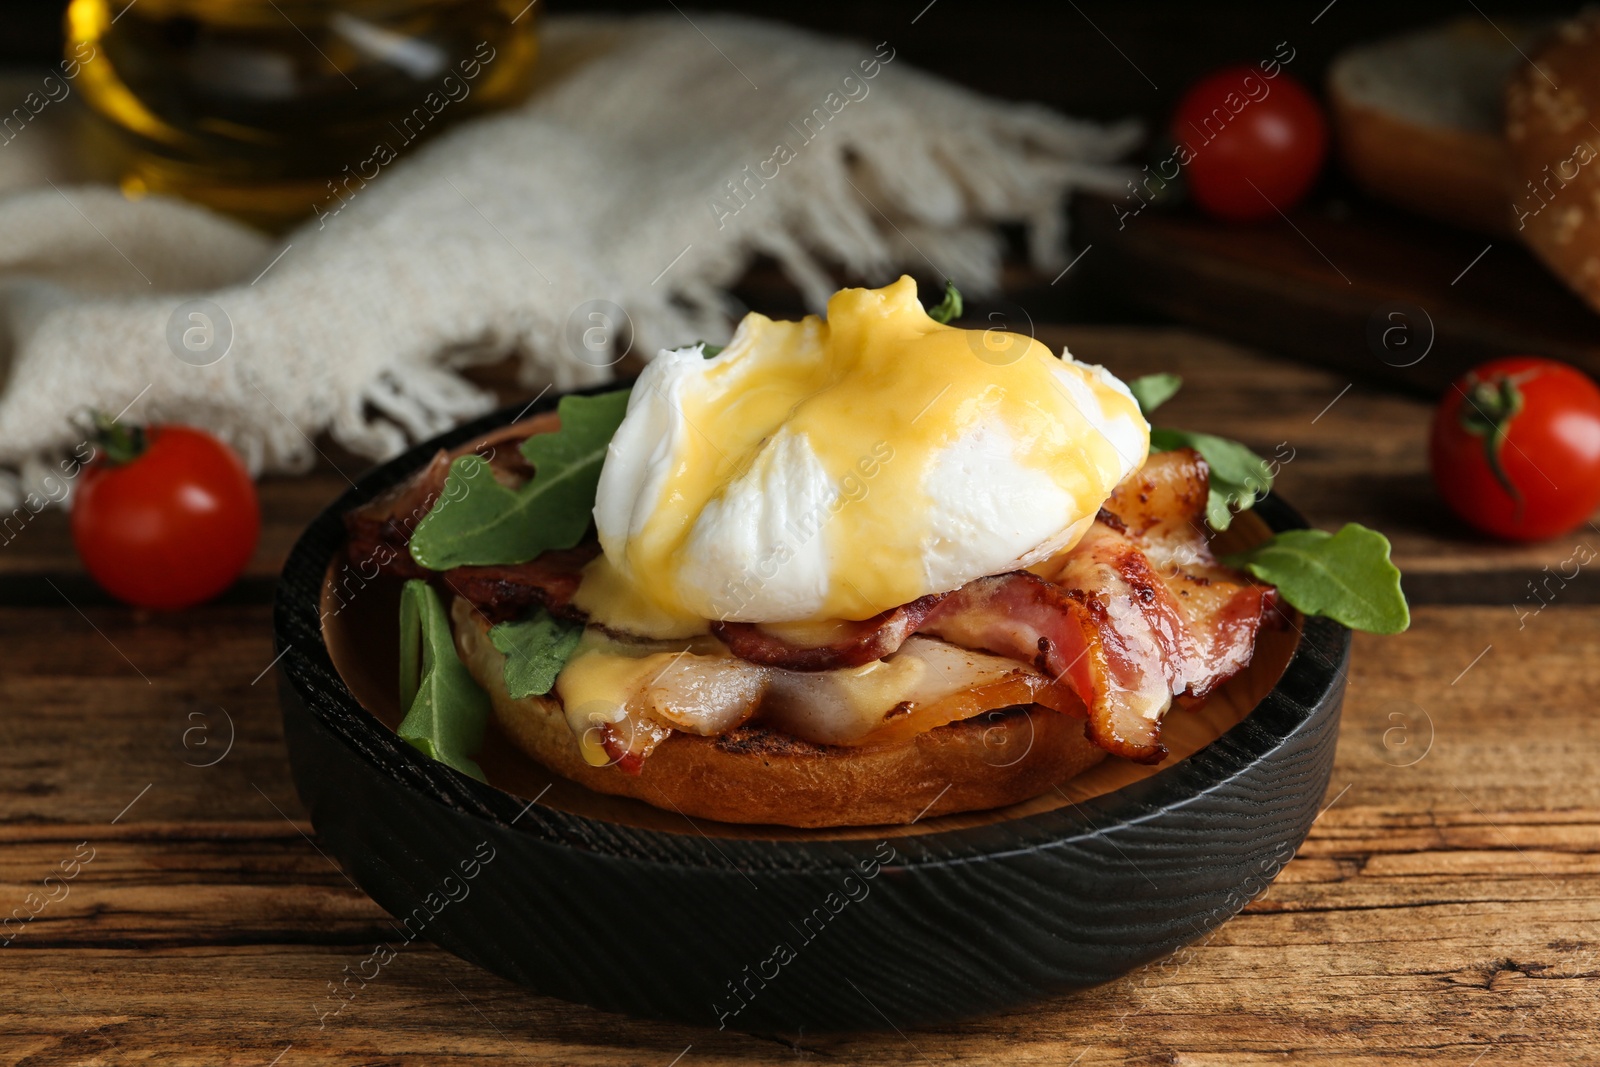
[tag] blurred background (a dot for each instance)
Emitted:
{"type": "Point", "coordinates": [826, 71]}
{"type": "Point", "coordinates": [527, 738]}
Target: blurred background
{"type": "Point", "coordinates": [1100, 61]}
{"type": "Point", "coordinates": [1393, 257]}
{"type": "Point", "coordinates": [1018, 51]}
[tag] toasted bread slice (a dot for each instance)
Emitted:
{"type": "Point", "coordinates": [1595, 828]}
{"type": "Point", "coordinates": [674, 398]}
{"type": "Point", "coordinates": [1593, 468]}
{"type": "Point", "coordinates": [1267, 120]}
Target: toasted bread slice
{"type": "Point", "coordinates": [755, 775]}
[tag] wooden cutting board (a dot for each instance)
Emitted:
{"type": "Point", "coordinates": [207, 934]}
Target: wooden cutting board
{"type": "Point", "coordinates": [1371, 291]}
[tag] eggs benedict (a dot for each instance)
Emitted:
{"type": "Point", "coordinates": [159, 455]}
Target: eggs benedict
{"type": "Point", "coordinates": [847, 570]}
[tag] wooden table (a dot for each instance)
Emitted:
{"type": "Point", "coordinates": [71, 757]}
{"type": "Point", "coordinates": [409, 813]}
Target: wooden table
{"type": "Point", "coordinates": [1446, 906]}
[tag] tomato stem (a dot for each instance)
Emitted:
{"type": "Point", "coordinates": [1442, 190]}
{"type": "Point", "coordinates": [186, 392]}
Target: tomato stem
{"type": "Point", "coordinates": [118, 443]}
{"type": "Point", "coordinates": [1488, 413]}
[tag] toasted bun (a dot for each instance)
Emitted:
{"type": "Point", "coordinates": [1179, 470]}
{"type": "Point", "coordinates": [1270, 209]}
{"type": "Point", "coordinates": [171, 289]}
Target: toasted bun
{"type": "Point", "coordinates": [754, 775]}
{"type": "Point", "coordinates": [1552, 109]}
{"type": "Point", "coordinates": [1419, 121]}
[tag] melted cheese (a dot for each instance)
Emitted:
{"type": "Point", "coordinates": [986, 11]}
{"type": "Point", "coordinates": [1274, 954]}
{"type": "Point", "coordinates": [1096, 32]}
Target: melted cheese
{"type": "Point", "coordinates": [708, 691]}
{"type": "Point", "coordinates": [604, 675]}
{"type": "Point", "coordinates": [595, 687]}
{"type": "Point", "coordinates": [611, 600]}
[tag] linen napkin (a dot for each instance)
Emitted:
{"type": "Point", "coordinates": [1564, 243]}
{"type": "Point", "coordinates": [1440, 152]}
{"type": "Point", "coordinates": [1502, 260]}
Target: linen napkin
{"type": "Point", "coordinates": [656, 158]}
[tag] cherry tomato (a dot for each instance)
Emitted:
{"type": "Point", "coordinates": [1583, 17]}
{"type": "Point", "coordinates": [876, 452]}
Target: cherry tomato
{"type": "Point", "coordinates": [165, 518]}
{"type": "Point", "coordinates": [1516, 448]}
{"type": "Point", "coordinates": [1250, 145]}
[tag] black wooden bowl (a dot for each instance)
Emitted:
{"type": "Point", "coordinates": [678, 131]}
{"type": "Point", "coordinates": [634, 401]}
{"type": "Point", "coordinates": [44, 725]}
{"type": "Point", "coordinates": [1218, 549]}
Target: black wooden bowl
{"type": "Point", "coordinates": [626, 908]}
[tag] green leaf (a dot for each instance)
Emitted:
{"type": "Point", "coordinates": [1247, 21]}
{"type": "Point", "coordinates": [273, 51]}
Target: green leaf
{"type": "Point", "coordinates": [948, 309]}
{"type": "Point", "coordinates": [709, 350]}
{"type": "Point", "coordinates": [446, 712]}
{"type": "Point", "coordinates": [1153, 390]}
{"type": "Point", "coordinates": [1239, 477]}
{"type": "Point", "coordinates": [535, 649]}
{"type": "Point", "coordinates": [479, 521]}
{"type": "Point", "coordinates": [1346, 576]}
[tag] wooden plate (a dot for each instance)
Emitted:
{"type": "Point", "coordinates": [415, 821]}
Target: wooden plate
{"type": "Point", "coordinates": [625, 907]}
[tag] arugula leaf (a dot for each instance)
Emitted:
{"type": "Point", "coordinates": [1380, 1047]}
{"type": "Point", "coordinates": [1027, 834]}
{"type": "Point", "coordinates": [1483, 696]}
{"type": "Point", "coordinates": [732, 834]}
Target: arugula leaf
{"type": "Point", "coordinates": [478, 521]}
{"type": "Point", "coordinates": [1153, 390]}
{"type": "Point", "coordinates": [1346, 576]}
{"type": "Point", "coordinates": [535, 649]}
{"type": "Point", "coordinates": [707, 349]}
{"type": "Point", "coordinates": [446, 712]}
{"type": "Point", "coordinates": [948, 309]}
{"type": "Point", "coordinates": [1239, 477]}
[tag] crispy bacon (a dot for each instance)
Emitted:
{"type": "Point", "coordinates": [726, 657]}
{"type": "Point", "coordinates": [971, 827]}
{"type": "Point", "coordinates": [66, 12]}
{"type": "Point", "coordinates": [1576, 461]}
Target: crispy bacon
{"type": "Point", "coordinates": [1114, 630]}
{"type": "Point", "coordinates": [505, 591]}
{"type": "Point", "coordinates": [1078, 637]}
{"type": "Point", "coordinates": [629, 741]}
{"type": "Point", "coordinates": [379, 531]}
{"type": "Point", "coordinates": [1168, 619]}
{"type": "Point", "coordinates": [1162, 511]}
{"type": "Point", "coordinates": [850, 644]}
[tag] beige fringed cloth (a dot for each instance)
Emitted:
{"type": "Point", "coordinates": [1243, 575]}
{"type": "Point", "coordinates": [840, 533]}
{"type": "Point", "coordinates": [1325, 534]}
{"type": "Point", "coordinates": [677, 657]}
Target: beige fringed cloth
{"type": "Point", "coordinates": [657, 158]}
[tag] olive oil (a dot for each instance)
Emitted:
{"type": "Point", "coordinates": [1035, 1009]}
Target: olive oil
{"type": "Point", "coordinates": [266, 109]}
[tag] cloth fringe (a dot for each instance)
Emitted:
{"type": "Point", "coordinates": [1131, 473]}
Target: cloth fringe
{"type": "Point", "coordinates": [637, 183]}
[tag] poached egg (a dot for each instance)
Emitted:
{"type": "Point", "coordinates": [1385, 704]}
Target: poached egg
{"type": "Point", "coordinates": [817, 471]}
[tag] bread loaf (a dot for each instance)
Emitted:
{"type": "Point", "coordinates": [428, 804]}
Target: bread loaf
{"type": "Point", "coordinates": [1553, 129]}
{"type": "Point", "coordinates": [1419, 117]}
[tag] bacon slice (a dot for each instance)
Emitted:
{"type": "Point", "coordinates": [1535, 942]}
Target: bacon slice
{"type": "Point", "coordinates": [850, 644]}
{"type": "Point", "coordinates": [504, 592]}
{"type": "Point", "coordinates": [378, 534]}
{"type": "Point", "coordinates": [1169, 619]}
{"type": "Point", "coordinates": [1161, 510]}
{"type": "Point", "coordinates": [628, 741]}
{"type": "Point", "coordinates": [1068, 635]}
{"type": "Point", "coordinates": [379, 531]}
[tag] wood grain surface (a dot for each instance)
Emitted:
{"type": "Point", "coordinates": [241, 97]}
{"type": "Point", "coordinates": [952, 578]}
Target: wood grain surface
{"type": "Point", "coordinates": [1344, 282]}
{"type": "Point", "coordinates": [1446, 906]}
